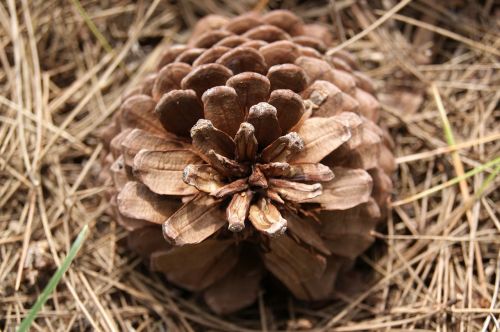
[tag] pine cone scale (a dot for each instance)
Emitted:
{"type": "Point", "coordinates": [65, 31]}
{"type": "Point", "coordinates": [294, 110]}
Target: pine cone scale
{"type": "Point", "coordinates": [195, 221]}
{"type": "Point", "coordinates": [321, 137]}
{"type": "Point", "coordinates": [222, 109]}
{"type": "Point", "coordinates": [348, 189]}
{"type": "Point", "coordinates": [162, 171]}
{"type": "Point", "coordinates": [137, 202]}
{"type": "Point", "coordinates": [251, 89]}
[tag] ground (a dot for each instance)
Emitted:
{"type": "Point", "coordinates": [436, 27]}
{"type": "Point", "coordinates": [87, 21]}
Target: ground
{"type": "Point", "coordinates": [436, 264]}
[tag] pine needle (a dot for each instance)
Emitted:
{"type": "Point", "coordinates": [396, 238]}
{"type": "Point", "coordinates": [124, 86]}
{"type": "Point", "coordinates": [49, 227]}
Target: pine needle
{"type": "Point", "coordinates": [59, 85]}
{"type": "Point", "coordinates": [455, 180]}
{"type": "Point", "coordinates": [83, 13]}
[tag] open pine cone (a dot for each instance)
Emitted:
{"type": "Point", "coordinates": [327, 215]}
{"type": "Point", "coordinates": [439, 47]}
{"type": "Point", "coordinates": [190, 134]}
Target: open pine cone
{"type": "Point", "coordinates": [250, 150]}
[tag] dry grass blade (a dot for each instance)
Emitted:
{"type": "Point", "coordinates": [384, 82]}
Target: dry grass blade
{"type": "Point", "coordinates": [448, 149]}
{"type": "Point", "coordinates": [449, 34]}
{"type": "Point", "coordinates": [372, 27]}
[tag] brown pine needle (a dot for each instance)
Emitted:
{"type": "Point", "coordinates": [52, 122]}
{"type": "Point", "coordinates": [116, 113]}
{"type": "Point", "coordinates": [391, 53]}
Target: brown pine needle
{"type": "Point", "coordinates": [372, 27]}
{"type": "Point", "coordinates": [64, 68]}
{"type": "Point", "coordinates": [447, 149]}
{"type": "Point", "coordinates": [469, 42]}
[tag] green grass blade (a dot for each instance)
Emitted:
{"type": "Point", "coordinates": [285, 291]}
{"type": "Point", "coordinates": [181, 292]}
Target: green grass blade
{"type": "Point", "coordinates": [73, 251]}
{"type": "Point", "coordinates": [448, 132]}
{"type": "Point", "coordinates": [93, 28]}
{"type": "Point", "coordinates": [487, 182]}
{"type": "Point", "coordinates": [493, 163]}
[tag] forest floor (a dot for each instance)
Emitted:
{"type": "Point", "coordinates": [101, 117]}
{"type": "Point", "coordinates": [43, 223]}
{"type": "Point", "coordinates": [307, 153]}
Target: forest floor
{"type": "Point", "coordinates": [64, 66]}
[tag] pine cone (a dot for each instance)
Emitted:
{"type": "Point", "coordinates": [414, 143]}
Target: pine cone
{"type": "Point", "coordinates": [250, 150]}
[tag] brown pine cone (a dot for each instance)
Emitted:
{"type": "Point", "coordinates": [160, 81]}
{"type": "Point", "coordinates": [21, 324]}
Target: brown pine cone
{"type": "Point", "coordinates": [250, 150]}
